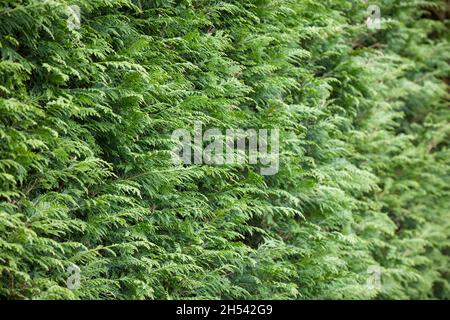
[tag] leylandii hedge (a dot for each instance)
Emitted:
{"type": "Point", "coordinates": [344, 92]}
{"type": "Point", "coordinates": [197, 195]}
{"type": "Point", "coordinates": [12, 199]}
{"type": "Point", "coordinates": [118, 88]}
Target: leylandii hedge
{"type": "Point", "coordinates": [359, 207]}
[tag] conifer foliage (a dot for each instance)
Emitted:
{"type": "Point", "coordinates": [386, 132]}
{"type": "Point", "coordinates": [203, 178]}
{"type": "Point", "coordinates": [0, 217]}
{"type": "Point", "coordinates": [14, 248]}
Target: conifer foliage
{"type": "Point", "coordinates": [87, 109]}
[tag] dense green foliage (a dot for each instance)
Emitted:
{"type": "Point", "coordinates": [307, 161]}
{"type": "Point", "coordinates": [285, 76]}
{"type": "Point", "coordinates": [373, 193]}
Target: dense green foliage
{"type": "Point", "coordinates": [86, 176]}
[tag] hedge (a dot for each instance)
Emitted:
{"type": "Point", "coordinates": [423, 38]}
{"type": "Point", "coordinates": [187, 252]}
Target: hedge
{"type": "Point", "coordinates": [87, 109]}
